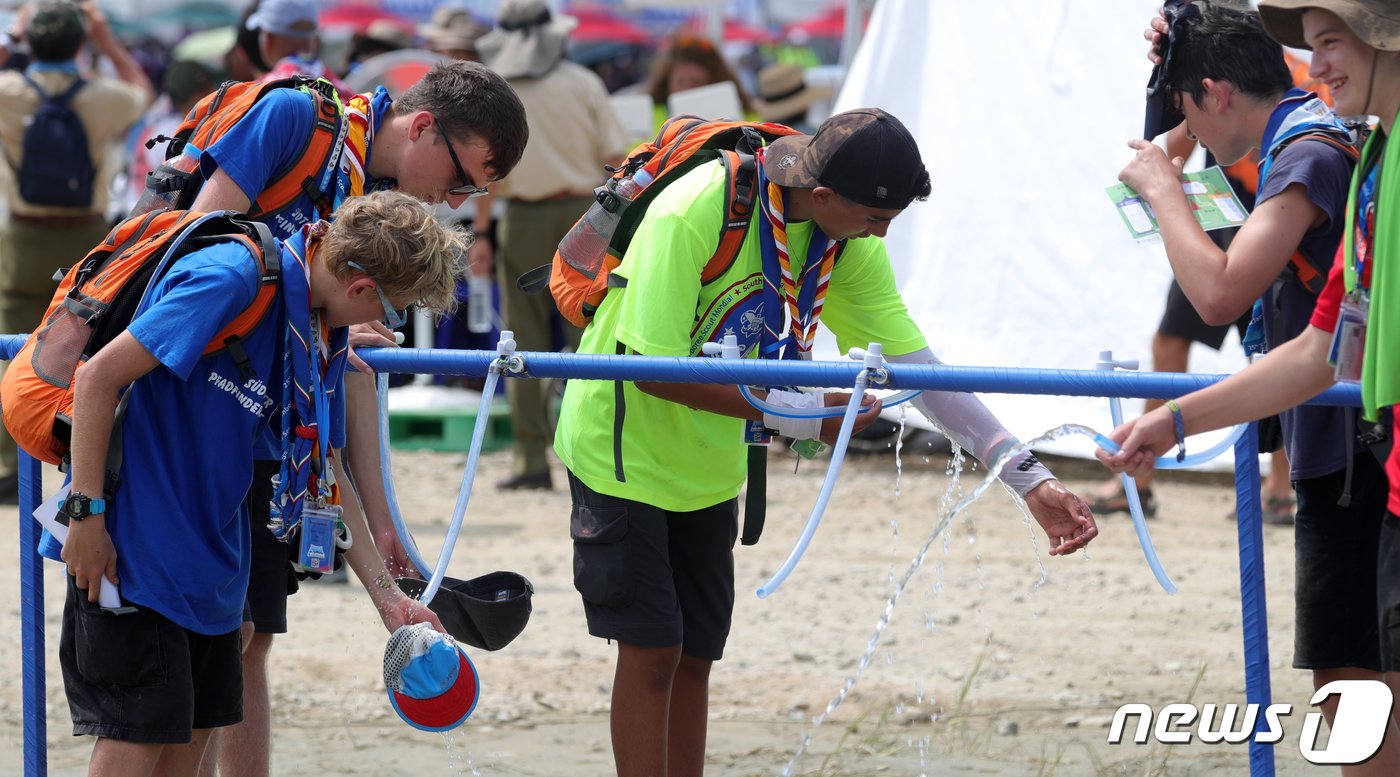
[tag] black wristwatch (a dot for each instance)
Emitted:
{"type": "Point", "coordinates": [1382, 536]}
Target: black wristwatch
{"type": "Point", "coordinates": [79, 506]}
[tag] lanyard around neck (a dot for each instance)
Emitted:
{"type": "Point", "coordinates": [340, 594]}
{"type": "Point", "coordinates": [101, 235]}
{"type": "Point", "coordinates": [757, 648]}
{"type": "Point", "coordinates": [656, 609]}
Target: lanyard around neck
{"type": "Point", "coordinates": [310, 358]}
{"type": "Point", "coordinates": [1361, 221]}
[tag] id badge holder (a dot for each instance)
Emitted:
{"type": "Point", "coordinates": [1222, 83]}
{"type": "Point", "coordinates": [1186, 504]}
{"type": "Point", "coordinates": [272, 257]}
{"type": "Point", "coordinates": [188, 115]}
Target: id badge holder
{"type": "Point", "coordinates": [755, 433]}
{"type": "Point", "coordinates": [1349, 341]}
{"type": "Point", "coordinates": [318, 538]}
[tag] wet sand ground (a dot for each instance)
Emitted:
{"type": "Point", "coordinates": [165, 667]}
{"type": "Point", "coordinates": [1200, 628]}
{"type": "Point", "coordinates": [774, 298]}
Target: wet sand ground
{"type": "Point", "coordinates": [998, 660]}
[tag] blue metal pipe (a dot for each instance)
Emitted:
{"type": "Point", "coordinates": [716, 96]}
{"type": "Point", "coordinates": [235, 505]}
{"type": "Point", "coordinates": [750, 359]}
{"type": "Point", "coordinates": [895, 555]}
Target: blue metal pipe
{"type": "Point", "coordinates": [1254, 612]}
{"type": "Point", "coordinates": [829, 374]}
{"type": "Point", "coordinates": [834, 374]}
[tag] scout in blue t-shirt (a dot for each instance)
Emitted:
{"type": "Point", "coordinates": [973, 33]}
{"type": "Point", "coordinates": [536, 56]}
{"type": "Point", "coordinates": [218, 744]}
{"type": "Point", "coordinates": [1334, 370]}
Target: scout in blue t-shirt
{"type": "Point", "coordinates": [174, 536]}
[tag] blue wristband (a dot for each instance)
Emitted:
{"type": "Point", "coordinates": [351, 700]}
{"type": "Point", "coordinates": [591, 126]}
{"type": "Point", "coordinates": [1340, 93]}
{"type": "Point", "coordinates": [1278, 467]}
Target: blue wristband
{"type": "Point", "coordinates": [1179, 423]}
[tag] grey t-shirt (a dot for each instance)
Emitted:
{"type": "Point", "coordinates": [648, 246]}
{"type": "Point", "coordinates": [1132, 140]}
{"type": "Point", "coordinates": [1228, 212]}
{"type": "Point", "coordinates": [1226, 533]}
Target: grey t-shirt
{"type": "Point", "coordinates": [1316, 438]}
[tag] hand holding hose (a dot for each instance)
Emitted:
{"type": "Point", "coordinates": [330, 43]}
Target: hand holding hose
{"type": "Point", "coordinates": [870, 407]}
{"type": "Point", "coordinates": [1140, 441]}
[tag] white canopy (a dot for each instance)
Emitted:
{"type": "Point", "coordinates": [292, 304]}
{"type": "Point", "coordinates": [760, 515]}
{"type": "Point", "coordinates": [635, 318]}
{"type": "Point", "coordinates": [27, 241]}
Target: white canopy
{"type": "Point", "coordinates": [1022, 110]}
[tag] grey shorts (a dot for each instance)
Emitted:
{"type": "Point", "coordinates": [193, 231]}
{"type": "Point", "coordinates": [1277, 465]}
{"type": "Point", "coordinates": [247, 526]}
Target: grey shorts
{"type": "Point", "coordinates": [1180, 319]}
{"type": "Point", "coordinates": [654, 578]}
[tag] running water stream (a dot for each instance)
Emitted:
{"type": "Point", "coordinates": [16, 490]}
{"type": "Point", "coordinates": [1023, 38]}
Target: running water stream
{"type": "Point", "coordinates": [901, 585]}
{"type": "Point", "coordinates": [459, 758]}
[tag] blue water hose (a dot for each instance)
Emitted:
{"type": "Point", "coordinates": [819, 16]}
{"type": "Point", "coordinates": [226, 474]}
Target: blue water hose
{"type": "Point", "coordinates": [381, 385]}
{"type": "Point", "coordinates": [1149, 551]}
{"type": "Point", "coordinates": [464, 492]}
{"type": "Point", "coordinates": [1130, 492]}
{"type": "Point", "coordinates": [838, 454]}
{"type": "Point", "coordinates": [505, 348]}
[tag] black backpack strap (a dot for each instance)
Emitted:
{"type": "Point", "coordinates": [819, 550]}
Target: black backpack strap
{"type": "Point", "coordinates": [755, 495]}
{"type": "Point", "coordinates": [269, 271]}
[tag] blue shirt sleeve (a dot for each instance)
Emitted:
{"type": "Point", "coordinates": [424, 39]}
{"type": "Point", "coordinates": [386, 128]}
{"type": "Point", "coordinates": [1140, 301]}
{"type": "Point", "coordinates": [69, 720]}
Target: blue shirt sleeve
{"type": "Point", "coordinates": [1324, 171]}
{"type": "Point", "coordinates": [266, 142]}
{"type": "Point", "coordinates": [338, 408]}
{"type": "Point", "coordinates": [199, 295]}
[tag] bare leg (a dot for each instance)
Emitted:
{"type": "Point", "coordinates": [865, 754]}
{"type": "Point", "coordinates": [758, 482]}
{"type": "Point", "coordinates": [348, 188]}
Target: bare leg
{"type": "Point", "coordinates": [641, 702]}
{"type": "Point", "coordinates": [1277, 484]}
{"type": "Point", "coordinates": [1386, 761]}
{"type": "Point", "coordinates": [690, 716]}
{"type": "Point", "coordinates": [245, 749]}
{"type": "Point", "coordinates": [116, 758]}
{"type": "Point", "coordinates": [181, 760]}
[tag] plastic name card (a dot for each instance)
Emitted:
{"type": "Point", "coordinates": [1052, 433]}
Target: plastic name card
{"type": "Point", "coordinates": [318, 525]}
{"type": "Point", "coordinates": [1214, 204]}
{"type": "Point", "coordinates": [755, 433]}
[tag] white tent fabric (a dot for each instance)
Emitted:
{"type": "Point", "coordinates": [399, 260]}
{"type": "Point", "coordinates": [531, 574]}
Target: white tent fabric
{"type": "Point", "coordinates": [1018, 259]}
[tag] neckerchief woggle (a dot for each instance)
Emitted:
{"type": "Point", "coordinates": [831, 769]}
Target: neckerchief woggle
{"type": "Point", "coordinates": [309, 359]}
{"type": "Point", "coordinates": [1298, 113]}
{"type": "Point", "coordinates": [798, 301]}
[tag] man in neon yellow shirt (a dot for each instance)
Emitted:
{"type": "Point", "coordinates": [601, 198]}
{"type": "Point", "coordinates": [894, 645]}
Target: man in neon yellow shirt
{"type": "Point", "coordinates": [655, 468]}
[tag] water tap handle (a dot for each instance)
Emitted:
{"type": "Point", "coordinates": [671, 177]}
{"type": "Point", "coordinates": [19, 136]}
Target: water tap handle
{"type": "Point", "coordinates": [505, 347]}
{"type": "Point", "coordinates": [873, 357]}
{"type": "Point", "coordinates": [727, 348]}
{"type": "Point", "coordinates": [1107, 362]}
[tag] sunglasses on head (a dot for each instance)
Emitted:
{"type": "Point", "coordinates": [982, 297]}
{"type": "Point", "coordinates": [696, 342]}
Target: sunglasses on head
{"type": "Point", "coordinates": [393, 317]}
{"type": "Point", "coordinates": [468, 188]}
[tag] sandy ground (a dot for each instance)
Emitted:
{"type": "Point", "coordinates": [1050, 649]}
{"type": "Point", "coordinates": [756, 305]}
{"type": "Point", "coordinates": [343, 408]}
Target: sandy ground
{"type": "Point", "coordinates": [997, 660]}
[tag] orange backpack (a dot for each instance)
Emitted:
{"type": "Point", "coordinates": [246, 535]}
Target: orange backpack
{"type": "Point", "coordinates": [176, 183]}
{"type": "Point", "coordinates": [97, 299]}
{"type": "Point", "coordinates": [580, 275]}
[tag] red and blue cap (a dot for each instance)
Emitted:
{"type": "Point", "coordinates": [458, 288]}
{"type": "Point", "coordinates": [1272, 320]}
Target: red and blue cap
{"type": "Point", "coordinates": [431, 682]}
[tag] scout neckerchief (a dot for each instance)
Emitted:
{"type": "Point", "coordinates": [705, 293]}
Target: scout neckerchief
{"type": "Point", "coordinates": [800, 298]}
{"type": "Point", "coordinates": [1361, 221]}
{"type": "Point", "coordinates": [364, 112]}
{"type": "Point", "coordinates": [1368, 251]}
{"type": "Point", "coordinates": [313, 354]}
{"type": "Point", "coordinates": [1298, 113]}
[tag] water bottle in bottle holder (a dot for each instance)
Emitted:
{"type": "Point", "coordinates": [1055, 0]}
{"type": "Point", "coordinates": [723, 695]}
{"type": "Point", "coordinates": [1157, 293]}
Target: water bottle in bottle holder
{"type": "Point", "coordinates": [481, 309]}
{"type": "Point", "coordinates": [587, 243]}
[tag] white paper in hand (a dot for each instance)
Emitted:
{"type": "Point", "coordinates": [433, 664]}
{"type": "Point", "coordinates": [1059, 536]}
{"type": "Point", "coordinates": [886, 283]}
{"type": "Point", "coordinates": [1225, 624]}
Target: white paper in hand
{"type": "Point", "coordinates": [47, 516]}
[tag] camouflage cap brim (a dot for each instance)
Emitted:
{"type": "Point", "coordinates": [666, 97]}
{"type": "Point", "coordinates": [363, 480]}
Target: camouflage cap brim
{"type": "Point", "coordinates": [782, 163]}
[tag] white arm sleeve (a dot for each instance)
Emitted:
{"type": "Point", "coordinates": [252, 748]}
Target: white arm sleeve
{"type": "Point", "coordinates": [969, 423]}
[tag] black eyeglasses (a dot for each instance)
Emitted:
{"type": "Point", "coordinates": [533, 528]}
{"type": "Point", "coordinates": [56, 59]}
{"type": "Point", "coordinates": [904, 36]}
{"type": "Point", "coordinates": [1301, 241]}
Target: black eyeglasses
{"type": "Point", "coordinates": [468, 188]}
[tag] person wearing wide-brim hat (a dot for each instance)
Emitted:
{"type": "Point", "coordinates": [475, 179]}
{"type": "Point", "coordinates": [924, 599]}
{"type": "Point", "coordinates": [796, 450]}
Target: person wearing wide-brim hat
{"type": "Point", "coordinates": [529, 39]}
{"type": "Point", "coordinates": [1356, 52]}
{"type": "Point", "coordinates": [785, 96]}
{"type": "Point", "coordinates": [574, 133]}
{"type": "Point", "coordinates": [453, 32]}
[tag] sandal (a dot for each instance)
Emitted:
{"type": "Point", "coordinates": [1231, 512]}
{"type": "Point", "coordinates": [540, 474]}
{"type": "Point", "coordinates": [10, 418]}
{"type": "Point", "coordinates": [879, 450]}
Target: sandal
{"type": "Point", "coordinates": [1275, 511]}
{"type": "Point", "coordinates": [1117, 502]}
{"type": "Point", "coordinates": [1278, 510]}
